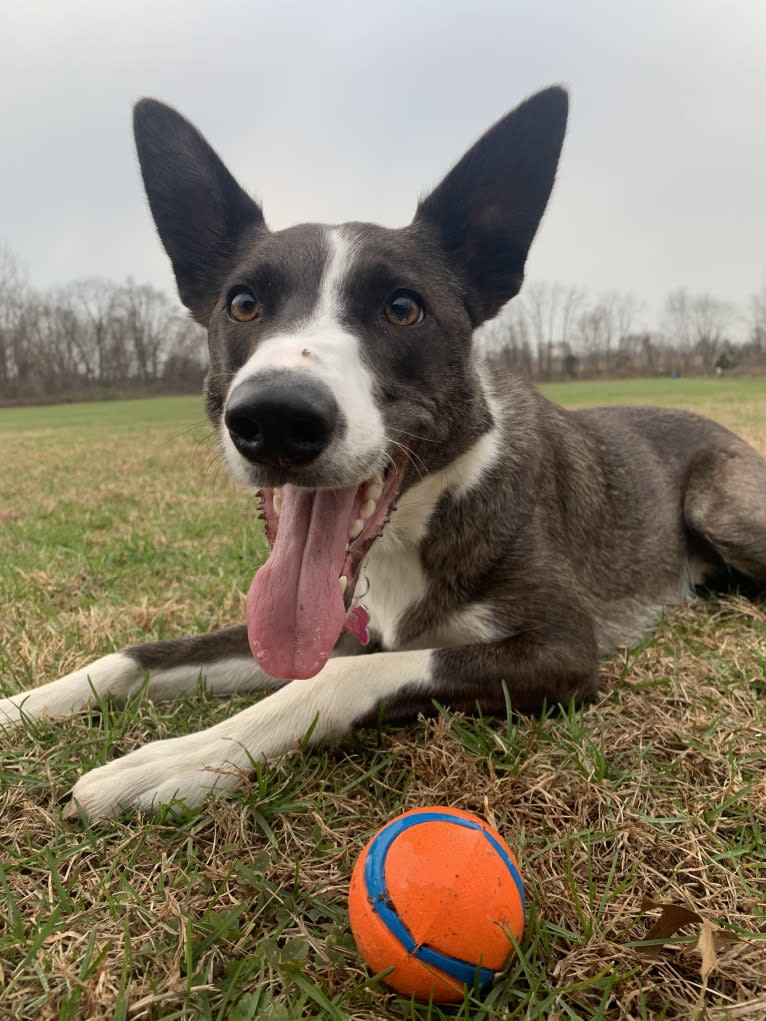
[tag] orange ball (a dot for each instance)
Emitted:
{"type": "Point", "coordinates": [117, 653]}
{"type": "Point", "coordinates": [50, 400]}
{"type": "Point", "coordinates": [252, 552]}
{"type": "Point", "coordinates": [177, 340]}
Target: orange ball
{"type": "Point", "coordinates": [435, 894]}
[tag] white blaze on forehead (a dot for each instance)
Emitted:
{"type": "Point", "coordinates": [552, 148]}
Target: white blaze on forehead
{"type": "Point", "coordinates": [323, 348]}
{"type": "Point", "coordinates": [342, 254]}
{"type": "Point", "coordinates": [320, 338]}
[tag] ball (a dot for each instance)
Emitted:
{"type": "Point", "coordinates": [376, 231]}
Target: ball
{"type": "Point", "coordinates": [435, 895]}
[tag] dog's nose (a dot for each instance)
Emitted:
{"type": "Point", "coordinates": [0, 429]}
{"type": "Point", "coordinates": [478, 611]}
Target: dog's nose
{"type": "Point", "coordinates": [281, 419]}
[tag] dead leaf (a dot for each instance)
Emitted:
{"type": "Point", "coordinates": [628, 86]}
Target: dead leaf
{"type": "Point", "coordinates": [672, 918]}
{"type": "Point", "coordinates": [706, 947]}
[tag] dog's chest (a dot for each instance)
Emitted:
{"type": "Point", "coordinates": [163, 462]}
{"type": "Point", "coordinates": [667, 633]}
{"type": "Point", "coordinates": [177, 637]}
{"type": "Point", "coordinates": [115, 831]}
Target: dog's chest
{"type": "Point", "coordinates": [392, 579]}
{"type": "Point", "coordinates": [391, 582]}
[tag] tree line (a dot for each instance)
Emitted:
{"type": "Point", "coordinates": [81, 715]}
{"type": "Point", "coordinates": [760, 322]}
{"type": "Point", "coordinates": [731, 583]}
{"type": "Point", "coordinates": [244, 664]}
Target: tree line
{"type": "Point", "coordinates": [551, 332]}
{"type": "Point", "coordinates": [96, 338]}
{"type": "Point", "coordinates": [93, 338]}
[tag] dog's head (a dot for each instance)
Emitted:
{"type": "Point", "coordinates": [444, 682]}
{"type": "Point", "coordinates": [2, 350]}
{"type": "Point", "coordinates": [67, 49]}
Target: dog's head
{"type": "Point", "coordinates": [340, 357]}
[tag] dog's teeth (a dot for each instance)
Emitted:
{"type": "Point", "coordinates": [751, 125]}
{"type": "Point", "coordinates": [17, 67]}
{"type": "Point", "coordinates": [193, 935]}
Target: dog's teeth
{"type": "Point", "coordinates": [373, 491]}
{"type": "Point", "coordinates": [276, 501]}
{"type": "Point", "coordinates": [342, 584]}
{"type": "Point", "coordinates": [355, 528]}
{"type": "Point", "coordinates": [367, 510]}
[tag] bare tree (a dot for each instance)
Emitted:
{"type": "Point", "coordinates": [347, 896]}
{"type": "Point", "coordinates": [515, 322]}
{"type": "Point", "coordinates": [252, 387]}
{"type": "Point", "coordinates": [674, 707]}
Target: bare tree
{"type": "Point", "coordinates": [758, 316]}
{"type": "Point", "coordinates": [505, 339]}
{"type": "Point", "coordinates": [753, 351]}
{"type": "Point", "coordinates": [593, 336]}
{"type": "Point", "coordinates": [677, 323]}
{"type": "Point", "coordinates": [623, 309]}
{"type": "Point", "coordinates": [95, 300]}
{"type": "Point", "coordinates": [147, 316]}
{"type": "Point", "coordinates": [541, 333]}
{"type": "Point", "coordinates": [550, 312]}
{"type": "Point", "coordinates": [13, 288]}
{"type": "Point", "coordinates": [186, 358]}
{"type": "Point", "coordinates": [711, 324]}
{"type": "Point", "coordinates": [698, 324]}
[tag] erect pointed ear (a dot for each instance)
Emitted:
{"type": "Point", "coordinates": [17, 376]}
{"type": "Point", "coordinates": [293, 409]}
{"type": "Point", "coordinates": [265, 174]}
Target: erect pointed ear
{"type": "Point", "coordinates": [487, 209]}
{"type": "Point", "coordinates": [200, 211]}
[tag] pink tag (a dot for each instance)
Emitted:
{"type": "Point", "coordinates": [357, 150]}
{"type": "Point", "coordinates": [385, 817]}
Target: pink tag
{"type": "Point", "coordinates": [356, 622]}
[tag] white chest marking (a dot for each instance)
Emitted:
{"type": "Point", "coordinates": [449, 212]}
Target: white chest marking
{"type": "Point", "coordinates": [393, 580]}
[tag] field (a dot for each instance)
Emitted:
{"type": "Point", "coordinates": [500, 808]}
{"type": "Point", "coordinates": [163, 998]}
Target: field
{"type": "Point", "coordinates": [117, 524]}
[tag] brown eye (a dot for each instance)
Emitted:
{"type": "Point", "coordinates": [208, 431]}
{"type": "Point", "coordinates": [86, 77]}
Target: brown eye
{"type": "Point", "coordinates": [244, 306]}
{"type": "Point", "coordinates": [403, 309]}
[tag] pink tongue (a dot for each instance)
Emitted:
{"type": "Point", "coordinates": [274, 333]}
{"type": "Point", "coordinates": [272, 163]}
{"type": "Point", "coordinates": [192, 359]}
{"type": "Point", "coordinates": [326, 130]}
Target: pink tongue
{"type": "Point", "coordinates": [295, 610]}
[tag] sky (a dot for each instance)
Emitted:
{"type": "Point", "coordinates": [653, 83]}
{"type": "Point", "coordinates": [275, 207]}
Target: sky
{"type": "Point", "coordinates": [332, 111]}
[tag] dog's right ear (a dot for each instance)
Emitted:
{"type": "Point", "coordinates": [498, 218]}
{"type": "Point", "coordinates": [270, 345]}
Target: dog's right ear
{"type": "Point", "coordinates": [200, 211]}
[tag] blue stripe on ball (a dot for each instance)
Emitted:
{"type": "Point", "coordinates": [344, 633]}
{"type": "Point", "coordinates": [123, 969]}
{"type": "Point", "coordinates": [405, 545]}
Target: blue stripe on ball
{"type": "Point", "coordinates": [374, 875]}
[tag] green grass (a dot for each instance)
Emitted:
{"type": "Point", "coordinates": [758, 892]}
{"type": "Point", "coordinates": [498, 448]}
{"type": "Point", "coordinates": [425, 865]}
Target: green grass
{"type": "Point", "coordinates": [680, 393]}
{"type": "Point", "coordinates": [117, 525]}
{"type": "Point", "coordinates": [737, 403]}
{"type": "Point", "coordinates": [133, 416]}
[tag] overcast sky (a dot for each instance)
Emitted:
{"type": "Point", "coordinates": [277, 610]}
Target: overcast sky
{"type": "Point", "coordinates": [336, 110]}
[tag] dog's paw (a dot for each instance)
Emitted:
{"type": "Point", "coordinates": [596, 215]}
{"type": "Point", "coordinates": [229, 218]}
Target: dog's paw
{"type": "Point", "coordinates": [181, 771]}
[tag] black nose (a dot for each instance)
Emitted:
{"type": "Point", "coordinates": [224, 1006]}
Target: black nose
{"type": "Point", "coordinates": [281, 419]}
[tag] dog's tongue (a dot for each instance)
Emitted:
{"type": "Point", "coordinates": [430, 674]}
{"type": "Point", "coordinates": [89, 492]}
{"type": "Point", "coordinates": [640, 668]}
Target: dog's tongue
{"type": "Point", "coordinates": [295, 611]}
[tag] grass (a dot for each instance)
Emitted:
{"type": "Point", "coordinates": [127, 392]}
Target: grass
{"type": "Point", "coordinates": [737, 403]}
{"type": "Point", "coordinates": [116, 524]}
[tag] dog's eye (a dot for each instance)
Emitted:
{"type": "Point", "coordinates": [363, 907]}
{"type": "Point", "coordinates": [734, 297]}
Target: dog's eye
{"type": "Point", "coordinates": [243, 306]}
{"type": "Point", "coordinates": [403, 309]}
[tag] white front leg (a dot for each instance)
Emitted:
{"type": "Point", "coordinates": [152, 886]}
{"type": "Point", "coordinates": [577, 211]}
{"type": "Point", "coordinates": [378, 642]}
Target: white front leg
{"type": "Point", "coordinates": [114, 676]}
{"type": "Point", "coordinates": [187, 769]}
{"type": "Point", "coordinates": [119, 676]}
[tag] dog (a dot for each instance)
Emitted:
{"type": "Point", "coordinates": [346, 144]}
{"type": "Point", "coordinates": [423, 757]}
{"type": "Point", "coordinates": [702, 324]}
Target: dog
{"type": "Point", "coordinates": [474, 541]}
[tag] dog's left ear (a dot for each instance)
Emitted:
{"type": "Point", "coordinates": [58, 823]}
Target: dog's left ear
{"type": "Point", "coordinates": [200, 211]}
{"type": "Point", "coordinates": [487, 209]}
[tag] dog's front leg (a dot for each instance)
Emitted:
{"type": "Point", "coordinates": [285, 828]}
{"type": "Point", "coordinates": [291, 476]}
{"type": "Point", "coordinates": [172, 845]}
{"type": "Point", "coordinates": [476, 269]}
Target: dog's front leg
{"type": "Point", "coordinates": [347, 692]}
{"type": "Point", "coordinates": [164, 669]}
